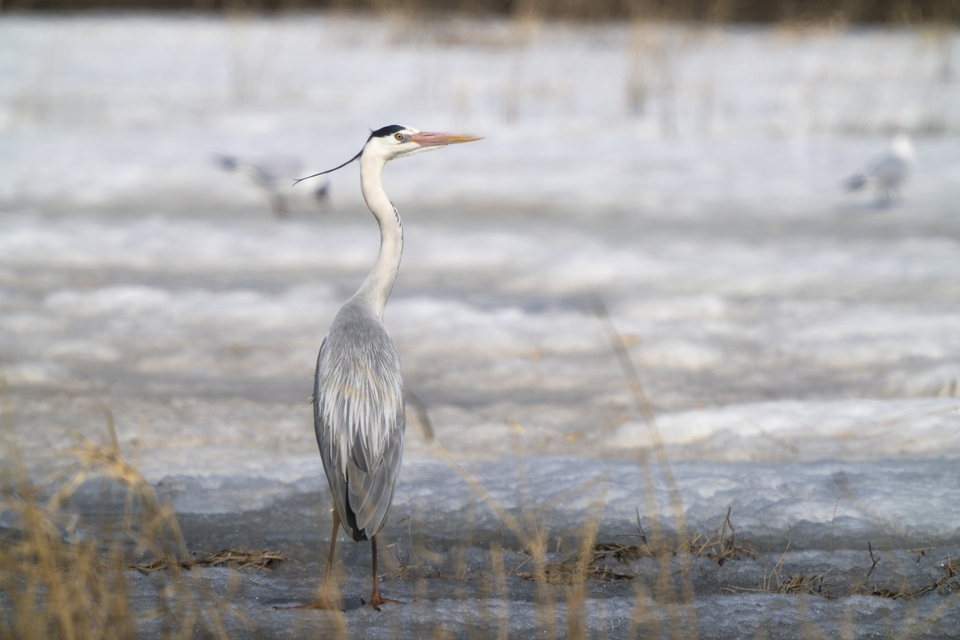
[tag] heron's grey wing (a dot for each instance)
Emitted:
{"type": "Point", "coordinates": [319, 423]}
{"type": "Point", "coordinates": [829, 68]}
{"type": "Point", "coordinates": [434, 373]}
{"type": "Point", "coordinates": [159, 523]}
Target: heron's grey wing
{"type": "Point", "coordinates": [329, 454]}
{"type": "Point", "coordinates": [359, 418]}
{"type": "Point", "coordinates": [370, 483]}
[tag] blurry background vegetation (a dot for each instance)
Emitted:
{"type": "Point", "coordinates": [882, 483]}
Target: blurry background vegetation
{"type": "Point", "coordinates": [723, 11]}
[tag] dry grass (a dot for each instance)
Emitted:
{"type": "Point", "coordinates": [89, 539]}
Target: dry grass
{"type": "Point", "coordinates": [56, 585]}
{"type": "Point", "coordinates": [232, 558]}
{"type": "Point", "coordinates": [590, 565]}
{"type": "Point", "coordinates": [949, 582]}
{"type": "Point", "coordinates": [779, 11]}
{"type": "Point", "coordinates": [799, 582]}
{"type": "Point", "coordinates": [594, 562]}
{"type": "Point", "coordinates": [723, 544]}
{"type": "Point", "coordinates": [827, 583]}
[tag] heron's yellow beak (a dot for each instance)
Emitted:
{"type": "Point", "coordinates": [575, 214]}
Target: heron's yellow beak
{"type": "Point", "coordinates": [428, 139]}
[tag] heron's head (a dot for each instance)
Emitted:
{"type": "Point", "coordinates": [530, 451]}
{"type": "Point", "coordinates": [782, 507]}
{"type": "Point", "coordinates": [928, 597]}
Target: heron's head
{"type": "Point", "coordinates": [396, 141]}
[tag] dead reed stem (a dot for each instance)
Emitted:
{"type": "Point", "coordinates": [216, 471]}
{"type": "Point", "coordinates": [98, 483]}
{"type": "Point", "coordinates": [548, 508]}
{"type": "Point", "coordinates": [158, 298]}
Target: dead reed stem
{"type": "Point", "coordinates": [659, 451]}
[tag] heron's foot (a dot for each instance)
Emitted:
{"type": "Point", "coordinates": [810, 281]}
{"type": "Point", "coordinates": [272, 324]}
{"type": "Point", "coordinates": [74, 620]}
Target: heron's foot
{"type": "Point", "coordinates": [377, 600]}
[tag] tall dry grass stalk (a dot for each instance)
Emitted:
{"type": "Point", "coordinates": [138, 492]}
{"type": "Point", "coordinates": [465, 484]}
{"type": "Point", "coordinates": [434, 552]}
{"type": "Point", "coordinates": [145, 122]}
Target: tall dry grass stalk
{"type": "Point", "coordinates": [684, 608]}
{"type": "Point", "coordinates": [55, 583]}
{"type": "Point", "coordinates": [895, 12]}
{"type": "Point", "coordinates": [651, 76]}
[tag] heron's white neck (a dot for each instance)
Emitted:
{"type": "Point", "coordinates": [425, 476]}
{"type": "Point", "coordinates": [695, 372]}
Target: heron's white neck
{"type": "Point", "coordinates": [377, 287]}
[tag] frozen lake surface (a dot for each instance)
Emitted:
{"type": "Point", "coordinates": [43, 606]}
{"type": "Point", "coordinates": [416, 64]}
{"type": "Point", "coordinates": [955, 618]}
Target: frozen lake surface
{"type": "Point", "coordinates": [799, 346]}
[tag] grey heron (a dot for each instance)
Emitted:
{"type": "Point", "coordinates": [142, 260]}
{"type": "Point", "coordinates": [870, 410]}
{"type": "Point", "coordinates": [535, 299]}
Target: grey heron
{"type": "Point", "coordinates": [272, 174]}
{"type": "Point", "coordinates": [886, 173]}
{"type": "Point", "coordinates": [358, 403]}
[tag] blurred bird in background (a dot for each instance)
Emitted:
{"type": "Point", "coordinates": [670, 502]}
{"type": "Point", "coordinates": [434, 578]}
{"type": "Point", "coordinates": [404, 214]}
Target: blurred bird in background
{"type": "Point", "coordinates": [275, 176]}
{"type": "Point", "coordinates": [886, 173]}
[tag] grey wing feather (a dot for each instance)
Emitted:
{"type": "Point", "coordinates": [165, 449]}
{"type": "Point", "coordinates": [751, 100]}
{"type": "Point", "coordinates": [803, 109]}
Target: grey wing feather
{"type": "Point", "coordinates": [889, 171]}
{"type": "Point", "coordinates": [885, 173]}
{"type": "Point", "coordinates": [359, 418]}
{"type": "Point", "coordinates": [855, 182]}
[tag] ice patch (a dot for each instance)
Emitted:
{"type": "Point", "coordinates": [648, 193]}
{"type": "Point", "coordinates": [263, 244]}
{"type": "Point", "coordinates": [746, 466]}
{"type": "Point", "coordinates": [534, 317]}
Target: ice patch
{"type": "Point", "coordinates": [790, 429]}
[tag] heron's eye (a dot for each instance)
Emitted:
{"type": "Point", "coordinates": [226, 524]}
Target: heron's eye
{"type": "Point", "coordinates": [399, 137]}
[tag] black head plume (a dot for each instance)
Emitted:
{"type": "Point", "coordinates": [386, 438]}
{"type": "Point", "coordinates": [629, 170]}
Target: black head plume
{"type": "Point", "coordinates": [330, 170]}
{"type": "Point", "coordinates": [382, 132]}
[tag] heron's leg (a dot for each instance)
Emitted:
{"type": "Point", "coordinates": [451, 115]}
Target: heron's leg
{"type": "Point", "coordinates": [333, 547]}
{"type": "Point", "coordinates": [323, 600]}
{"type": "Point", "coordinates": [376, 599]}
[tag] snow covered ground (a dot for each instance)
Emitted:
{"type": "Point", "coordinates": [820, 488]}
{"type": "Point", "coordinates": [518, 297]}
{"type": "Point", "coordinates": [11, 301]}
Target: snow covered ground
{"type": "Point", "coordinates": [799, 346]}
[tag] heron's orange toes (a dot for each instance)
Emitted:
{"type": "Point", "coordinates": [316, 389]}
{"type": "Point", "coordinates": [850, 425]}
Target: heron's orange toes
{"type": "Point", "coordinates": [376, 602]}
